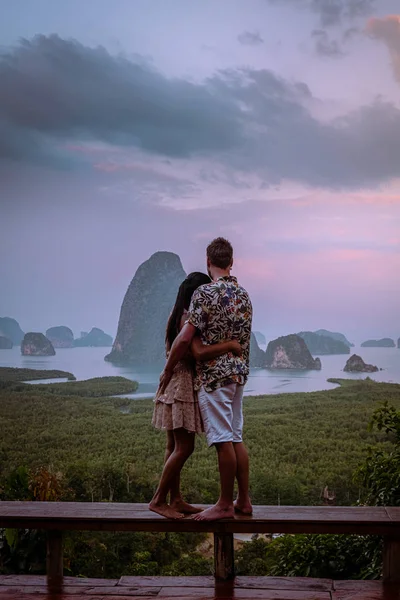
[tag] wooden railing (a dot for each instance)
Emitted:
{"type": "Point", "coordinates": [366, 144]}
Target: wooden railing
{"type": "Point", "coordinates": [56, 517]}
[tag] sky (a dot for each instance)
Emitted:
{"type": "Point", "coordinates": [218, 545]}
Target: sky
{"type": "Point", "coordinates": [132, 126]}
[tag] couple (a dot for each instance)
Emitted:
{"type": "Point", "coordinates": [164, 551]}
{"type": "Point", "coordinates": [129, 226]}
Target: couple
{"type": "Point", "coordinates": [201, 387]}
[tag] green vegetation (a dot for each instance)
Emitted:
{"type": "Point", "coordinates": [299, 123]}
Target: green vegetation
{"type": "Point", "coordinates": [97, 387]}
{"type": "Point", "coordinates": [82, 447]}
{"type": "Point", "coordinates": [15, 374]}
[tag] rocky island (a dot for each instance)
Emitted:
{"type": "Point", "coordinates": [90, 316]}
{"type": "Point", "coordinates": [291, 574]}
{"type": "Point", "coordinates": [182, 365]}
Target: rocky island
{"type": "Point", "coordinates": [260, 337]}
{"type": "Point", "coordinates": [355, 364]}
{"type": "Point", "coordinates": [322, 344]}
{"type": "Point", "coordinates": [145, 310]}
{"type": "Point", "coordinates": [60, 337]}
{"type": "Point", "coordinates": [10, 329]}
{"type": "Point", "coordinates": [290, 352]}
{"type": "Point", "coordinates": [5, 343]}
{"type": "Point", "coordinates": [383, 343]}
{"type": "Point", "coordinates": [36, 344]}
{"type": "Point", "coordinates": [95, 338]}
{"type": "Point", "coordinates": [257, 356]}
{"type": "Point", "coordinates": [335, 335]}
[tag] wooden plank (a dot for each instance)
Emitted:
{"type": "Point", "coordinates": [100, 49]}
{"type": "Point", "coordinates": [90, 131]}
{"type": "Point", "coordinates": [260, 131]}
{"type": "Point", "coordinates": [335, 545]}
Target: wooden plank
{"type": "Point", "coordinates": [149, 581]}
{"type": "Point", "coordinates": [54, 561]}
{"type": "Point", "coordinates": [357, 584]}
{"type": "Point", "coordinates": [391, 559]}
{"type": "Point", "coordinates": [224, 562]}
{"type": "Point", "coordinates": [122, 590]}
{"type": "Point", "coordinates": [284, 583]}
{"type": "Point", "coordinates": [245, 594]}
{"type": "Point", "coordinates": [40, 580]}
{"type": "Point", "coordinates": [284, 519]}
{"type": "Point", "coordinates": [261, 582]}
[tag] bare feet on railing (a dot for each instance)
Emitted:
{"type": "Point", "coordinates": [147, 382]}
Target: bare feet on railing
{"type": "Point", "coordinates": [216, 513]}
{"type": "Point", "coordinates": [244, 508]}
{"type": "Point", "coordinates": [183, 507]}
{"type": "Point", "coordinates": [165, 510]}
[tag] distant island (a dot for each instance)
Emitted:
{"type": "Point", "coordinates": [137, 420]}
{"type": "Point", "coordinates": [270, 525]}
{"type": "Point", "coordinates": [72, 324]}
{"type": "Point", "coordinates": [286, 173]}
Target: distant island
{"type": "Point", "coordinates": [322, 344]}
{"type": "Point", "coordinates": [10, 329]}
{"type": "Point", "coordinates": [5, 343]}
{"type": "Point", "coordinates": [383, 343]}
{"type": "Point", "coordinates": [355, 364]}
{"type": "Point", "coordinates": [60, 337]}
{"type": "Point", "coordinates": [257, 356]}
{"type": "Point", "coordinates": [95, 338]}
{"type": "Point", "coordinates": [260, 337]}
{"type": "Point", "coordinates": [145, 310]}
{"type": "Point", "coordinates": [335, 336]}
{"type": "Point", "coordinates": [290, 352]}
{"type": "Point", "coordinates": [36, 344]}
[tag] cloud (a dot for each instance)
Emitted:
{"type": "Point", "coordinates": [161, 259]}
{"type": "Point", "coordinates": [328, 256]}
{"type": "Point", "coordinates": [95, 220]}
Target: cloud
{"type": "Point", "coordinates": [52, 88]}
{"type": "Point", "coordinates": [326, 47]}
{"type": "Point", "coordinates": [387, 30]}
{"type": "Point", "coordinates": [57, 94]}
{"type": "Point", "coordinates": [250, 38]}
{"type": "Point", "coordinates": [332, 13]}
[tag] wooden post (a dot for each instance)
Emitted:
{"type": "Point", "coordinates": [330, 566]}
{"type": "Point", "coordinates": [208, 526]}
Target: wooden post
{"type": "Point", "coordinates": [391, 559]}
{"type": "Point", "coordinates": [224, 564]}
{"type": "Point", "coordinates": [54, 561]}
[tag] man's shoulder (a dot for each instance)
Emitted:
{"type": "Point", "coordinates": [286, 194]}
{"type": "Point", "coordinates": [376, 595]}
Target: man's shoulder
{"type": "Point", "coordinates": [243, 292]}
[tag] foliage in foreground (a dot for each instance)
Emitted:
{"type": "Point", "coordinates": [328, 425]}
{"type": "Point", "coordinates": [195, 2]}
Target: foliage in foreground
{"type": "Point", "coordinates": [326, 556]}
{"type": "Point", "coordinates": [84, 449]}
{"type": "Point", "coordinates": [338, 556]}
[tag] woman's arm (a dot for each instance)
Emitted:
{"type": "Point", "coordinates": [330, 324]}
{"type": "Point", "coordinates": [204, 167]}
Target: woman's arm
{"type": "Point", "coordinates": [203, 352]}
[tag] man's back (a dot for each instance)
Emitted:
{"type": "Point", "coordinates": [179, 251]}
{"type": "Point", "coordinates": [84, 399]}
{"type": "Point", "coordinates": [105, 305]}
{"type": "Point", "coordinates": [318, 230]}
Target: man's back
{"type": "Point", "coordinates": [220, 311]}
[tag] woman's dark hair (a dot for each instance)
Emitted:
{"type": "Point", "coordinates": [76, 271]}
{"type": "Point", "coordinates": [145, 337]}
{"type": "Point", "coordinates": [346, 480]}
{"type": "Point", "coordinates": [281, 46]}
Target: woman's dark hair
{"type": "Point", "coordinates": [182, 302]}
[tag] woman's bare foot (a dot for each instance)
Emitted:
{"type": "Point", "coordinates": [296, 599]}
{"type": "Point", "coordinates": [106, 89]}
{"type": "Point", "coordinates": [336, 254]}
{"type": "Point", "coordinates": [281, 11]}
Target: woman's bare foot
{"type": "Point", "coordinates": [165, 511]}
{"type": "Point", "coordinates": [244, 508]}
{"type": "Point", "coordinates": [215, 513]}
{"type": "Point", "coordinates": [184, 507]}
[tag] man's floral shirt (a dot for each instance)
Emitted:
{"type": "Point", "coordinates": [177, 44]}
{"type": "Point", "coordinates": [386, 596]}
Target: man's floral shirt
{"type": "Point", "coordinates": [221, 311]}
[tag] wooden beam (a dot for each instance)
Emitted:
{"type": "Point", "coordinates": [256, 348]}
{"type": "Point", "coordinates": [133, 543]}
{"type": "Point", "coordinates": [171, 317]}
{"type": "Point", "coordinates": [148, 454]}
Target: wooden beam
{"type": "Point", "coordinates": [391, 559]}
{"type": "Point", "coordinates": [55, 565]}
{"type": "Point", "coordinates": [224, 564]}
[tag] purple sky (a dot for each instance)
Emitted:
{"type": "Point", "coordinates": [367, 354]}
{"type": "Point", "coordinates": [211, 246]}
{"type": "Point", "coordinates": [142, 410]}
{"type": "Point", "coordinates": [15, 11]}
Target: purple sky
{"type": "Point", "coordinates": [131, 127]}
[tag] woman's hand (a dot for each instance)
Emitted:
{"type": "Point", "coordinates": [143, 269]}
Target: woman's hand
{"type": "Point", "coordinates": [165, 378]}
{"type": "Point", "coordinates": [236, 348]}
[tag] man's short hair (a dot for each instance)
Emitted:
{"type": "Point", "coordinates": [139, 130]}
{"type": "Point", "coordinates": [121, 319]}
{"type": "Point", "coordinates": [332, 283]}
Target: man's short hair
{"type": "Point", "coordinates": [220, 253]}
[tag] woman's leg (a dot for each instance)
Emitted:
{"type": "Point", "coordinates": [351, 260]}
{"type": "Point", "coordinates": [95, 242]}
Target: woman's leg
{"type": "Point", "coordinates": [184, 445]}
{"type": "Point", "coordinates": [186, 440]}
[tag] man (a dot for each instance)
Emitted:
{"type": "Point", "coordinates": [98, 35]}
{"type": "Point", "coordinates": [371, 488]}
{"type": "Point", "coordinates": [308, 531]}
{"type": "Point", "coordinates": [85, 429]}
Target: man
{"type": "Point", "coordinates": [219, 311]}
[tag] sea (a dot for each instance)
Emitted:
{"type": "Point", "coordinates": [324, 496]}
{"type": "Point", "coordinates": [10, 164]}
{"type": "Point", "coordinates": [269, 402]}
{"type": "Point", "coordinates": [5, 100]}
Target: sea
{"type": "Point", "coordinates": [86, 363]}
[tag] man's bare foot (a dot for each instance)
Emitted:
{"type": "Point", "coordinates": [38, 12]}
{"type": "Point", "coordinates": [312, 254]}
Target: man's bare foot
{"type": "Point", "coordinates": [215, 513]}
{"type": "Point", "coordinates": [165, 511]}
{"type": "Point", "coordinates": [244, 508]}
{"type": "Point", "coordinates": [183, 507]}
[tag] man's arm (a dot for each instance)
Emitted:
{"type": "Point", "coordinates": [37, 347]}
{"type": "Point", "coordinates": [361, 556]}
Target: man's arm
{"type": "Point", "coordinates": [178, 350]}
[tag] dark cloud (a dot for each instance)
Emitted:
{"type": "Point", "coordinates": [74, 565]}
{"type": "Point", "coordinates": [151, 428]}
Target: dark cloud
{"type": "Point", "coordinates": [333, 12]}
{"type": "Point", "coordinates": [250, 38]}
{"type": "Point", "coordinates": [243, 120]}
{"type": "Point", "coordinates": [52, 89]}
{"type": "Point", "coordinates": [325, 46]}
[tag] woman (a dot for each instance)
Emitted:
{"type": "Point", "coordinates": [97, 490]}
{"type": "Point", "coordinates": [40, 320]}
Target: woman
{"type": "Point", "coordinates": [177, 410]}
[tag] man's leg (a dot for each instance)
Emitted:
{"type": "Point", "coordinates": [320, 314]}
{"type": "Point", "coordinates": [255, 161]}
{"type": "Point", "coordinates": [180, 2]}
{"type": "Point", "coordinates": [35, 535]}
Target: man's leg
{"type": "Point", "coordinates": [243, 502]}
{"type": "Point", "coordinates": [216, 410]}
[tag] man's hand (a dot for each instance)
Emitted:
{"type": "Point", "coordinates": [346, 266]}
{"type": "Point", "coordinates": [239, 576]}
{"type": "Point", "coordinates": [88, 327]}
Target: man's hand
{"type": "Point", "coordinates": [165, 378]}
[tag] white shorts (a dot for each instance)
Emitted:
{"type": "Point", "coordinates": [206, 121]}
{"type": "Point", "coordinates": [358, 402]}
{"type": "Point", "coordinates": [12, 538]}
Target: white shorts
{"type": "Point", "coordinates": [222, 414]}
